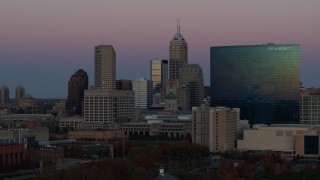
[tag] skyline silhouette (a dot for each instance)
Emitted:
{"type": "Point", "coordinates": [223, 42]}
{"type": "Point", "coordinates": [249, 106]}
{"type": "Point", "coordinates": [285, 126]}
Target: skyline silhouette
{"type": "Point", "coordinates": [43, 43]}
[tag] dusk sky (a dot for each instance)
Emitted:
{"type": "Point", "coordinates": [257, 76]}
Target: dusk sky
{"type": "Point", "coordinates": [42, 42]}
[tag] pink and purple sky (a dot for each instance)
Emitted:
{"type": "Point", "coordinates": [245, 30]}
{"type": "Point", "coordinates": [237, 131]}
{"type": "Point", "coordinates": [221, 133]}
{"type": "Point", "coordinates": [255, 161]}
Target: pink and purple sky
{"type": "Point", "coordinates": [42, 43]}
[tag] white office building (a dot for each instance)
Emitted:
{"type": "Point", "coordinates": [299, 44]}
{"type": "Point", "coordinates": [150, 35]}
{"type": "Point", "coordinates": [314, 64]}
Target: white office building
{"type": "Point", "coordinates": [143, 90]}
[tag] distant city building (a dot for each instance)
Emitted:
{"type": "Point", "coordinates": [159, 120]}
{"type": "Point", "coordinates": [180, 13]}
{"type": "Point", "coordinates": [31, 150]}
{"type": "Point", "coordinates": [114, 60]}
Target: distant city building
{"type": "Point", "coordinates": [73, 122]}
{"type": "Point", "coordinates": [28, 101]}
{"type": "Point", "coordinates": [206, 91]}
{"type": "Point", "coordinates": [108, 106]}
{"type": "Point", "coordinates": [47, 155]}
{"type": "Point", "coordinates": [4, 95]}
{"type": "Point", "coordinates": [172, 86]}
{"type": "Point", "coordinates": [8, 120]}
{"type": "Point", "coordinates": [158, 73]}
{"type": "Point", "coordinates": [191, 76]}
{"type": "Point", "coordinates": [178, 53]}
{"type": "Point", "coordinates": [143, 91]}
{"type": "Point", "coordinates": [215, 128]}
{"type": "Point", "coordinates": [289, 140]}
{"type": "Point", "coordinates": [20, 92]}
{"type": "Point", "coordinates": [171, 102]}
{"type": "Point", "coordinates": [95, 136]}
{"type": "Point", "coordinates": [105, 67]}
{"type": "Point", "coordinates": [77, 84]}
{"type": "Point", "coordinates": [310, 106]}
{"type": "Point", "coordinates": [184, 97]}
{"type": "Point", "coordinates": [160, 126]}
{"type": "Point", "coordinates": [60, 107]}
{"type": "Point", "coordinates": [124, 84]}
{"type": "Point", "coordinates": [261, 80]}
{"type": "Point", "coordinates": [11, 152]}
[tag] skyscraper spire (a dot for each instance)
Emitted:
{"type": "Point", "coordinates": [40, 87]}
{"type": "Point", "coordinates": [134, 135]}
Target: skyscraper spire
{"type": "Point", "coordinates": [178, 25]}
{"type": "Point", "coordinates": [177, 56]}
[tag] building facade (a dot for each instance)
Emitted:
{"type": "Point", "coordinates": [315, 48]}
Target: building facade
{"type": "Point", "coordinates": [20, 92]}
{"type": "Point", "coordinates": [178, 53]}
{"type": "Point", "coordinates": [105, 67]}
{"type": "Point", "coordinates": [191, 76]}
{"type": "Point", "coordinates": [158, 73]}
{"type": "Point", "coordinates": [96, 136]}
{"type": "Point", "coordinates": [310, 106]}
{"type": "Point", "coordinates": [73, 122]}
{"type": "Point", "coordinates": [288, 140]}
{"type": "Point", "coordinates": [108, 106]}
{"type": "Point", "coordinates": [77, 84]}
{"type": "Point", "coordinates": [143, 91]}
{"type": "Point", "coordinates": [11, 153]}
{"type": "Point", "coordinates": [215, 128]}
{"type": "Point", "coordinates": [262, 80]}
{"type": "Point", "coordinates": [124, 84]}
{"type": "Point", "coordinates": [159, 126]}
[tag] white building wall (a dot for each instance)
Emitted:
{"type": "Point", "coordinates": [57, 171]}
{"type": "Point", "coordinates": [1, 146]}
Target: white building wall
{"type": "Point", "coordinates": [143, 89]}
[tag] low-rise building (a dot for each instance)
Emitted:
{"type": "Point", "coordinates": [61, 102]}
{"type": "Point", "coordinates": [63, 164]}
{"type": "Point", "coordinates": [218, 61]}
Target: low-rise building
{"type": "Point", "coordinates": [96, 136]}
{"type": "Point", "coordinates": [73, 122]}
{"type": "Point", "coordinates": [286, 139]}
{"type": "Point", "coordinates": [11, 153]}
{"type": "Point", "coordinates": [47, 155]}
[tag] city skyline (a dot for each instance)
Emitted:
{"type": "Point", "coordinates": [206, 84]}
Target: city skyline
{"type": "Point", "coordinates": [44, 43]}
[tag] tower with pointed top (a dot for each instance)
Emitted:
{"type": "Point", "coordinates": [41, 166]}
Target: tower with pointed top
{"type": "Point", "coordinates": [178, 53]}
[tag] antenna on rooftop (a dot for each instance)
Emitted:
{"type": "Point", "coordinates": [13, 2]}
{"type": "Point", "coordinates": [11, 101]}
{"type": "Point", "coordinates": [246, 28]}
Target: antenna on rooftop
{"type": "Point", "coordinates": [178, 25]}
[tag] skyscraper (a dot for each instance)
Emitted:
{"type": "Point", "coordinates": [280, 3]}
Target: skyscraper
{"type": "Point", "coordinates": [178, 53]}
{"type": "Point", "coordinates": [77, 84]}
{"type": "Point", "coordinates": [4, 95]}
{"type": "Point", "coordinates": [143, 92]}
{"type": "Point", "coordinates": [105, 105]}
{"type": "Point", "coordinates": [191, 76]}
{"type": "Point", "coordinates": [105, 67]}
{"type": "Point", "coordinates": [20, 92]}
{"type": "Point", "coordinates": [158, 73]}
{"type": "Point", "coordinates": [262, 80]}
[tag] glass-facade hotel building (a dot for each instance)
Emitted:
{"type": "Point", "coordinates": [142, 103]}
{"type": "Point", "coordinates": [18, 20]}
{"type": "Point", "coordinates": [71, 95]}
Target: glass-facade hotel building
{"type": "Point", "coordinates": [262, 80]}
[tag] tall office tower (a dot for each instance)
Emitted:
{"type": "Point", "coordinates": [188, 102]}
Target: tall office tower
{"type": "Point", "coordinates": [20, 92]}
{"type": "Point", "coordinates": [310, 106]}
{"type": "Point", "coordinates": [262, 80]}
{"type": "Point", "coordinates": [215, 128]}
{"type": "Point", "coordinates": [143, 93]}
{"type": "Point", "coordinates": [124, 84]}
{"type": "Point", "coordinates": [108, 106]}
{"type": "Point", "coordinates": [77, 84]}
{"type": "Point", "coordinates": [184, 98]}
{"type": "Point", "coordinates": [178, 53]}
{"type": "Point", "coordinates": [4, 95]}
{"type": "Point", "coordinates": [191, 76]}
{"type": "Point", "coordinates": [105, 67]}
{"type": "Point", "coordinates": [158, 73]}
